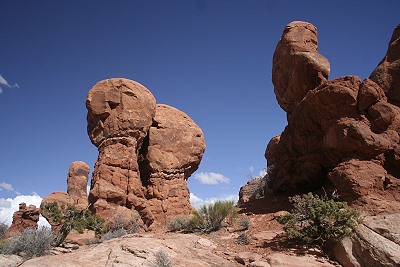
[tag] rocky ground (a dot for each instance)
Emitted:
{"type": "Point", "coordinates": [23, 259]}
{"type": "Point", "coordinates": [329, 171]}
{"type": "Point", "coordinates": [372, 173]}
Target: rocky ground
{"type": "Point", "coordinates": [266, 246]}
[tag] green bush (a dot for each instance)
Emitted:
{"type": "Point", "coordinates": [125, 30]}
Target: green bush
{"type": "Point", "coordinates": [209, 217]}
{"type": "Point", "coordinates": [70, 218]}
{"type": "Point", "coordinates": [29, 243]}
{"type": "Point", "coordinates": [316, 220]}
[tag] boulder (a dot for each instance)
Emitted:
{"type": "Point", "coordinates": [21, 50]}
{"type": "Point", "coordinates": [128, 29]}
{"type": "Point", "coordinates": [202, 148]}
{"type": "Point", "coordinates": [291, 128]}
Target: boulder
{"type": "Point", "coordinates": [172, 152]}
{"type": "Point", "coordinates": [120, 113]}
{"type": "Point", "coordinates": [25, 217]}
{"type": "Point", "coordinates": [297, 65]}
{"type": "Point", "coordinates": [366, 248]}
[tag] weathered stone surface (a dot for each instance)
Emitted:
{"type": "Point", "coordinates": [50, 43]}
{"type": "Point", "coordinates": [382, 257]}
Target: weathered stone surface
{"type": "Point", "coordinates": [80, 239]}
{"type": "Point", "coordinates": [282, 259]}
{"type": "Point", "coordinates": [10, 260]}
{"type": "Point", "coordinates": [386, 74]}
{"type": "Point", "coordinates": [77, 181]}
{"type": "Point", "coordinates": [173, 151]}
{"type": "Point", "coordinates": [25, 217]}
{"type": "Point", "coordinates": [386, 225]}
{"type": "Point", "coordinates": [336, 121]}
{"type": "Point", "coordinates": [367, 184]}
{"type": "Point", "coordinates": [252, 190]}
{"type": "Point", "coordinates": [120, 113]}
{"type": "Point", "coordinates": [136, 250]}
{"type": "Point", "coordinates": [366, 248]}
{"type": "Point", "coordinates": [297, 65]}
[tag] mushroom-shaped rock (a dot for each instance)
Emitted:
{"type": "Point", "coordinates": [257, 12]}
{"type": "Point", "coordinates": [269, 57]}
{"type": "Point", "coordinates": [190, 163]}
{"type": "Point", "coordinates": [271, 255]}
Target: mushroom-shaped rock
{"type": "Point", "coordinates": [77, 181]}
{"type": "Point", "coordinates": [175, 146]}
{"type": "Point", "coordinates": [120, 113]}
{"type": "Point", "coordinates": [297, 65]}
{"type": "Point", "coordinates": [386, 74]}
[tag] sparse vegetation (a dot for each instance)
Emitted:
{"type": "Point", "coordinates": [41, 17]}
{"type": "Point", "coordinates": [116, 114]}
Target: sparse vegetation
{"type": "Point", "coordinates": [244, 238]}
{"type": "Point", "coordinates": [119, 227]}
{"type": "Point", "coordinates": [162, 259]}
{"type": "Point", "coordinates": [70, 218]}
{"type": "Point", "coordinates": [30, 243]}
{"type": "Point", "coordinates": [317, 220]}
{"type": "Point", "coordinates": [207, 218]}
{"type": "Point", "coordinates": [260, 184]}
{"type": "Point", "coordinates": [180, 223]}
{"type": "Point", "coordinates": [245, 223]}
{"type": "Point", "coordinates": [3, 230]}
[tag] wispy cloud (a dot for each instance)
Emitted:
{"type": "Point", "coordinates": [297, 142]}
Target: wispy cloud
{"type": "Point", "coordinates": [8, 187]}
{"type": "Point", "coordinates": [211, 178]}
{"type": "Point", "coordinates": [4, 83]}
{"type": "Point", "coordinates": [10, 205]}
{"type": "Point", "coordinates": [197, 202]}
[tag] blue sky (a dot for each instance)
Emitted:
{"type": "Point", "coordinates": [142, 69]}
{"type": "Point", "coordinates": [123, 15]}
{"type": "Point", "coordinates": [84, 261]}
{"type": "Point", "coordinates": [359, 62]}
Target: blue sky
{"type": "Point", "coordinates": [210, 59]}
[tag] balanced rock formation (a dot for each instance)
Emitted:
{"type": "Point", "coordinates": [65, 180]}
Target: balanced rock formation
{"type": "Point", "coordinates": [146, 153]}
{"type": "Point", "coordinates": [120, 113]}
{"type": "Point", "coordinates": [173, 151]}
{"type": "Point", "coordinates": [297, 56]}
{"type": "Point", "coordinates": [345, 131]}
{"type": "Point", "coordinates": [25, 217]}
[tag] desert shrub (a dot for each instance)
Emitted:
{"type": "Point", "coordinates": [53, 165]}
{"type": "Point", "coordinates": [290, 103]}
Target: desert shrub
{"type": "Point", "coordinates": [70, 218]}
{"type": "Point", "coordinates": [29, 243]}
{"type": "Point", "coordinates": [317, 220]}
{"type": "Point", "coordinates": [180, 223]}
{"type": "Point", "coordinates": [119, 227]}
{"type": "Point", "coordinates": [209, 217]}
{"type": "Point", "coordinates": [244, 223]}
{"type": "Point", "coordinates": [3, 230]}
{"type": "Point", "coordinates": [244, 238]}
{"type": "Point", "coordinates": [162, 259]}
{"type": "Point", "coordinates": [114, 234]}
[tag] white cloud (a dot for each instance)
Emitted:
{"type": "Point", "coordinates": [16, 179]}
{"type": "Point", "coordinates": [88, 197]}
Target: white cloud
{"type": "Point", "coordinates": [211, 178]}
{"type": "Point", "coordinates": [3, 82]}
{"type": "Point", "coordinates": [10, 205]}
{"type": "Point", "coordinates": [8, 187]}
{"type": "Point", "coordinates": [197, 202]}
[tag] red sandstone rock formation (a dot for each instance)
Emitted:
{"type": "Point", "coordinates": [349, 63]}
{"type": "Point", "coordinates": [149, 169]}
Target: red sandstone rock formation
{"type": "Point", "coordinates": [146, 154]}
{"type": "Point", "coordinates": [120, 113]}
{"type": "Point", "coordinates": [297, 56]}
{"type": "Point", "coordinates": [77, 181]}
{"type": "Point", "coordinates": [173, 151]}
{"type": "Point", "coordinates": [25, 217]}
{"type": "Point", "coordinates": [345, 130]}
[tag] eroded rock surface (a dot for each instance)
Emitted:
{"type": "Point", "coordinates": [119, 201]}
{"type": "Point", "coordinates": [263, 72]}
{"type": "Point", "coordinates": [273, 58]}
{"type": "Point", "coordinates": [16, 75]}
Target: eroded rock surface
{"type": "Point", "coordinates": [342, 127]}
{"type": "Point", "coordinates": [297, 56]}
{"type": "Point", "coordinates": [77, 182]}
{"type": "Point", "coordinates": [135, 250]}
{"type": "Point", "coordinates": [146, 153]}
{"type": "Point", "coordinates": [173, 151]}
{"type": "Point", "coordinates": [25, 217]}
{"type": "Point", "coordinates": [120, 113]}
